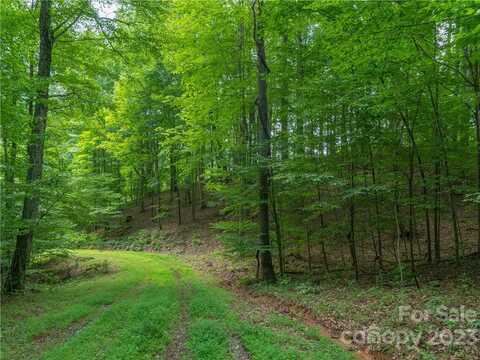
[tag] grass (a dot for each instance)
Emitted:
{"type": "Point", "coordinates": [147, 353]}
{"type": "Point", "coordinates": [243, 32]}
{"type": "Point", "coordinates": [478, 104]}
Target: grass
{"type": "Point", "coordinates": [134, 313]}
{"type": "Point", "coordinates": [359, 306]}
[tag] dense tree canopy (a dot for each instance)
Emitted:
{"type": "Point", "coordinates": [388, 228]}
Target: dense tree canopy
{"type": "Point", "coordinates": [318, 126]}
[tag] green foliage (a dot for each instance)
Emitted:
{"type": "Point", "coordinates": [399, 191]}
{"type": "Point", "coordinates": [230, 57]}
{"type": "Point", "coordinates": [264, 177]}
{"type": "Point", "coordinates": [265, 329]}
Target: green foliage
{"type": "Point", "coordinates": [58, 265]}
{"type": "Point", "coordinates": [372, 107]}
{"type": "Point", "coordinates": [238, 236]}
{"type": "Point", "coordinates": [138, 310]}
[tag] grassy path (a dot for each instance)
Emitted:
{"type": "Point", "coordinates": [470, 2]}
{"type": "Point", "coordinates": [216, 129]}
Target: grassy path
{"type": "Point", "coordinates": [153, 307]}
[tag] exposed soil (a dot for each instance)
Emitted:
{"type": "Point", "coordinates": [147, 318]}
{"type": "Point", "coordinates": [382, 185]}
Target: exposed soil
{"type": "Point", "coordinates": [267, 303]}
{"type": "Point", "coordinates": [237, 350]}
{"type": "Point", "coordinates": [177, 348]}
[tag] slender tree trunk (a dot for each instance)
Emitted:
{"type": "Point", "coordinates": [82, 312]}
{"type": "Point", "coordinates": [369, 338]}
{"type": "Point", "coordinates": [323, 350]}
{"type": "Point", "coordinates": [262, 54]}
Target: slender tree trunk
{"type": "Point", "coordinates": [300, 121]}
{"type": "Point", "coordinates": [201, 191]}
{"type": "Point", "coordinates": [453, 212]}
{"type": "Point", "coordinates": [159, 183]}
{"type": "Point", "coordinates": [309, 248]}
{"type": "Point", "coordinates": [278, 231]}
{"type": "Point", "coordinates": [342, 250]}
{"type": "Point", "coordinates": [284, 108]}
{"type": "Point", "coordinates": [174, 188]}
{"type": "Point", "coordinates": [351, 237]}
{"type": "Point", "coordinates": [411, 220]}
{"type": "Point", "coordinates": [193, 197]}
{"type": "Point", "coordinates": [369, 219]}
{"type": "Point", "coordinates": [477, 128]}
{"type": "Point", "coordinates": [16, 278]}
{"type": "Point", "coordinates": [436, 214]}
{"type": "Point", "coordinates": [173, 174]}
{"type": "Point", "coordinates": [242, 135]}
{"type": "Point", "coordinates": [142, 192]}
{"type": "Point", "coordinates": [322, 241]}
{"type": "Point", "coordinates": [267, 270]}
{"type": "Point", "coordinates": [398, 255]}
{"type": "Point", "coordinates": [324, 252]}
{"type": "Point", "coordinates": [424, 183]}
{"type": "Point", "coordinates": [379, 251]}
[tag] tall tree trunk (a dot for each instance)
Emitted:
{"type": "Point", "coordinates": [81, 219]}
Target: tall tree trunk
{"type": "Point", "coordinates": [477, 128]}
{"type": "Point", "coordinates": [16, 278]}
{"type": "Point", "coordinates": [322, 236]}
{"type": "Point", "coordinates": [351, 235]}
{"type": "Point", "coordinates": [173, 174]}
{"type": "Point", "coordinates": [451, 196]}
{"type": "Point", "coordinates": [267, 270]}
{"type": "Point", "coordinates": [278, 231]}
{"type": "Point", "coordinates": [398, 255]}
{"type": "Point", "coordinates": [309, 248]}
{"type": "Point", "coordinates": [242, 134]}
{"type": "Point", "coordinates": [193, 197]}
{"type": "Point", "coordinates": [379, 242]}
{"type": "Point", "coordinates": [174, 188]}
{"type": "Point", "coordinates": [284, 106]}
{"type": "Point", "coordinates": [436, 213]}
{"type": "Point", "coordinates": [299, 126]}
{"type": "Point", "coordinates": [201, 191]}
{"type": "Point", "coordinates": [142, 192]}
{"type": "Point", "coordinates": [411, 218]}
{"type": "Point", "coordinates": [413, 144]}
{"type": "Point", "coordinates": [159, 182]}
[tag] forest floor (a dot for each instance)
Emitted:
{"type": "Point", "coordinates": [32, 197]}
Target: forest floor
{"type": "Point", "coordinates": [149, 306]}
{"type": "Point", "coordinates": [331, 300]}
{"type": "Point", "coordinates": [177, 294]}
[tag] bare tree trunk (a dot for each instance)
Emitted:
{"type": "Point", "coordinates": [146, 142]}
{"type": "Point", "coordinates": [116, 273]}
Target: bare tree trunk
{"type": "Point", "coordinates": [300, 121]}
{"type": "Point", "coordinates": [159, 183]}
{"type": "Point", "coordinates": [441, 136]}
{"type": "Point", "coordinates": [477, 127]}
{"type": "Point", "coordinates": [284, 108]}
{"type": "Point", "coordinates": [174, 188]}
{"type": "Point", "coordinates": [322, 243]}
{"type": "Point", "coordinates": [179, 206]}
{"type": "Point", "coordinates": [201, 191]}
{"type": "Point", "coordinates": [173, 174]}
{"type": "Point", "coordinates": [411, 221]}
{"type": "Point", "coordinates": [16, 278]}
{"type": "Point", "coordinates": [309, 249]}
{"type": "Point", "coordinates": [278, 231]}
{"type": "Point", "coordinates": [267, 270]}
{"type": "Point", "coordinates": [351, 234]}
{"type": "Point", "coordinates": [424, 183]}
{"type": "Point", "coordinates": [142, 192]}
{"type": "Point", "coordinates": [436, 214]}
{"type": "Point", "coordinates": [193, 197]}
{"type": "Point", "coordinates": [398, 255]}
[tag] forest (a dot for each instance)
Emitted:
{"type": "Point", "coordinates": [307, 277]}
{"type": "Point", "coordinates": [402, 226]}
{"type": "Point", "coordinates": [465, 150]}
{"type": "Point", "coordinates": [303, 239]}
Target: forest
{"type": "Point", "coordinates": [316, 161]}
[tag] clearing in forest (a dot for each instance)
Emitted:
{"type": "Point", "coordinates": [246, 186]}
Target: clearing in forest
{"type": "Point", "coordinates": [152, 307]}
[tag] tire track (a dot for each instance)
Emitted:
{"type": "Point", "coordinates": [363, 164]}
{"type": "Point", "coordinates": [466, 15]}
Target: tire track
{"type": "Point", "coordinates": [177, 348]}
{"type": "Point", "coordinates": [237, 350]}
